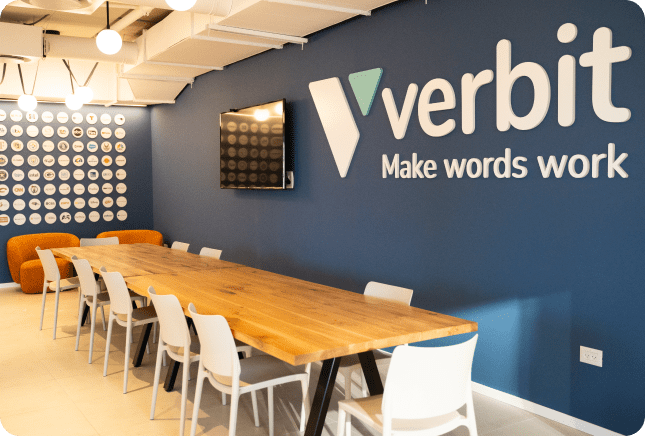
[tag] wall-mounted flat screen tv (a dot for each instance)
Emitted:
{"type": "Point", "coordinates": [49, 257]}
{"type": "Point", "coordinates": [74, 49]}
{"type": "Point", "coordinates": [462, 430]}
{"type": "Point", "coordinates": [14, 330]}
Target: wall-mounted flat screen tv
{"type": "Point", "coordinates": [252, 147]}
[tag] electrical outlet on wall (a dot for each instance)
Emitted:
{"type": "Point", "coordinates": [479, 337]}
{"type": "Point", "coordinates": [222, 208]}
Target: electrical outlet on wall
{"type": "Point", "coordinates": [591, 356]}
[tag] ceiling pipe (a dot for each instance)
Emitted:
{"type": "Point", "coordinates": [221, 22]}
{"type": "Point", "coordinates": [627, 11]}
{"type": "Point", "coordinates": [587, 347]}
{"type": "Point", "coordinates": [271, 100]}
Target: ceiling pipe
{"type": "Point", "coordinates": [131, 17]}
{"type": "Point", "coordinates": [70, 47]}
{"type": "Point", "coordinates": [220, 8]}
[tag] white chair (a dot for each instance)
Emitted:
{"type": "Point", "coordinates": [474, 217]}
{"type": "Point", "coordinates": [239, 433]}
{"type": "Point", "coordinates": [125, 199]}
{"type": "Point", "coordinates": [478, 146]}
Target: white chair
{"type": "Point", "coordinates": [182, 246]}
{"type": "Point", "coordinates": [351, 364]}
{"type": "Point", "coordinates": [90, 242]}
{"type": "Point", "coordinates": [425, 387]}
{"type": "Point", "coordinates": [53, 282]}
{"type": "Point", "coordinates": [174, 339]}
{"type": "Point", "coordinates": [122, 312]}
{"type": "Point", "coordinates": [210, 252]}
{"type": "Point", "coordinates": [227, 373]}
{"type": "Point", "coordinates": [91, 295]}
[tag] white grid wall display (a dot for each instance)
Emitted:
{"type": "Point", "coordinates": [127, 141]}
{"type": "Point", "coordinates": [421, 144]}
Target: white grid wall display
{"type": "Point", "coordinates": [82, 158]}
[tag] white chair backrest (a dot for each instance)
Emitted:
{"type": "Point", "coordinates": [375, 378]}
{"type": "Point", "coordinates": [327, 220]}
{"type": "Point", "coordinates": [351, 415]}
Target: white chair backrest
{"type": "Point", "coordinates": [118, 290]}
{"type": "Point", "coordinates": [174, 329]}
{"type": "Point", "coordinates": [388, 292]}
{"type": "Point", "coordinates": [426, 382]}
{"type": "Point", "coordinates": [89, 242]}
{"type": "Point", "coordinates": [210, 252]}
{"type": "Point", "coordinates": [85, 277]}
{"type": "Point", "coordinates": [179, 246]}
{"type": "Point", "coordinates": [50, 267]}
{"type": "Point", "coordinates": [218, 352]}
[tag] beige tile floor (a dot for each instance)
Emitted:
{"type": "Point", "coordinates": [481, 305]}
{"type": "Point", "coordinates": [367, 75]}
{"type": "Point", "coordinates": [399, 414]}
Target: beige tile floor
{"type": "Point", "coordinates": [48, 389]}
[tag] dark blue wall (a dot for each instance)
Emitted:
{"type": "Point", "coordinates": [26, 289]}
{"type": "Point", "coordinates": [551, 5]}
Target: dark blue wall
{"type": "Point", "coordinates": [543, 265]}
{"type": "Point", "coordinates": [138, 180]}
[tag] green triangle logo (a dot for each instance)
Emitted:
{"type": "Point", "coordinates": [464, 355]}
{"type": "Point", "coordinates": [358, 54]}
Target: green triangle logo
{"type": "Point", "coordinates": [364, 84]}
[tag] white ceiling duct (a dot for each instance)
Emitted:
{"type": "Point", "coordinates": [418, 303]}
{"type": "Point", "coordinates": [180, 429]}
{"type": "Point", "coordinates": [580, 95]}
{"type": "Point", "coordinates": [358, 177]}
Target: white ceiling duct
{"type": "Point", "coordinates": [60, 5]}
{"type": "Point", "coordinates": [20, 44]}
{"type": "Point", "coordinates": [69, 47]}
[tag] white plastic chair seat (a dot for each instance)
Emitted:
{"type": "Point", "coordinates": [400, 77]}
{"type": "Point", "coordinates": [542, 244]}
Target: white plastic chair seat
{"type": "Point", "coordinates": [141, 315]}
{"type": "Point", "coordinates": [261, 369]}
{"type": "Point", "coordinates": [65, 284]}
{"type": "Point", "coordinates": [368, 411]}
{"type": "Point", "coordinates": [352, 359]}
{"type": "Point", "coordinates": [177, 353]}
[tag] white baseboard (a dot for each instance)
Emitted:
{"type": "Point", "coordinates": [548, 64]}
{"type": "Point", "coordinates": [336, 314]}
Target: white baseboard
{"type": "Point", "coordinates": [545, 412]}
{"type": "Point", "coordinates": [11, 286]}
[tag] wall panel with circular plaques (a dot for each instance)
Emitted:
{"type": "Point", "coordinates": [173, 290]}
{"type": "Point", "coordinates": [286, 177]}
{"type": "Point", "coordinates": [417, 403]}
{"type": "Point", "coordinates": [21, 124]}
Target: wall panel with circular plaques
{"type": "Point", "coordinates": [66, 171]}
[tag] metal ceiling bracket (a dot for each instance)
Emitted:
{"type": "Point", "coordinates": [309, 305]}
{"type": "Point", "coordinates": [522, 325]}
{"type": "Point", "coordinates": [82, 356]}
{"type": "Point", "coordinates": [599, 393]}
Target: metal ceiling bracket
{"type": "Point", "coordinates": [236, 41]}
{"type": "Point", "coordinates": [308, 4]}
{"type": "Point", "coordinates": [258, 33]}
{"type": "Point", "coordinates": [157, 78]}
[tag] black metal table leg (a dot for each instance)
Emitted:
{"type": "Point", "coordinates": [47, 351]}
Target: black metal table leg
{"type": "Point", "coordinates": [372, 376]}
{"type": "Point", "coordinates": [324, 389]}
{"type": "Point", "coordinates": [86, 312]}
{"type": "Point", "coordinates": [171, 375]}
{"type": "Point", "coordinates": [141, 348]}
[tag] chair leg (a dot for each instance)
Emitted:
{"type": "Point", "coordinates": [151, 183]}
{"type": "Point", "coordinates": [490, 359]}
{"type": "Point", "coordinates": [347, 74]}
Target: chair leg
{"type": "Point", "coordinates": [154, 333]}
{"type": "Point", "coordinates": [56, 308]}
{"type": "Point", "coordinates": [305, 405]}
{"type": "Point", "coordinates": [364, 386]}
{"type": "Point", "coordinates": [81, 303]}
{"type": "Point", "coordinates": [103, 318]}
{"type": "Point", "coordinates": [348, 396]}
{"type": "Point", "coordinates": [92, 330]}
{"type": "Point", "coordinates": [198, 399]}
{"type": "Point", "coordinates": [184, 395]}
{"type": "Point", "coordinates": [42, 311]}
{"type": "Point", "coordinates": [107, 344]}
{"type": "Point", "coordinates": [232, 423]}
{"type": "Point", "coordinates": [126, 365]}
{"type": "Point", "coordinates": [223, 399]}
{"type": "Point", "coordinates": [342, 415]}
{"type": "Point", "coordinates": [256, 415]}
{"type": "Point", "coordinates": [471, 424]}
{"type": "Point", "coordinates": [155, 386]}
{"type": "Point", "coordinates": [270, 401]}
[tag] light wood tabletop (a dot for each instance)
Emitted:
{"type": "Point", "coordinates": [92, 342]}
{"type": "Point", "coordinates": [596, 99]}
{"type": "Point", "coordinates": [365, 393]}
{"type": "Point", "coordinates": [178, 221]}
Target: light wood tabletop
{"type": "Point", "coordinates": [141, 259]}
{"type": "Point", "coordinates": [298, 321]}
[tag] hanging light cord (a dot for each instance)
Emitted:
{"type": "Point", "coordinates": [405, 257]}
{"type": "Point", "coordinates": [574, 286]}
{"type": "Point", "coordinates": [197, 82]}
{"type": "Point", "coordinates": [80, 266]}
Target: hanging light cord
{"type": "Point", "coordinates": [4, 71]}
{"type": "Point", "coordinates": [66, 62]}
{"type": "Point", "coordinates": [107, 10]}
{"type": "Point", "coordinates": [22, 81]}
{"type": "Point", "coordinates": [71, 75]}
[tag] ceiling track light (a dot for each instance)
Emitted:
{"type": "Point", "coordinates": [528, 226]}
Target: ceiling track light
{"type": "Point", "coordinates": [108, 41]}
{"type": "Point", "coordinates": [26, 102]}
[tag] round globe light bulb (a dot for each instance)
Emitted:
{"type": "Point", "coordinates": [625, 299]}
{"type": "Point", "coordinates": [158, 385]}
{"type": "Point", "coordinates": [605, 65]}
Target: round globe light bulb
{"type": "Point", "coordinates": [261, 114]}
{"type": "Point", "coordinates": [109, 41]}
{"type": "Point", "coordinates": [85, 93]}
{"type": "Point", "coordinates": [73, 102]}
{"type": "Point", "coordinates": [27, 102]}
{"type": "Point", "coordinates": [181, 5]}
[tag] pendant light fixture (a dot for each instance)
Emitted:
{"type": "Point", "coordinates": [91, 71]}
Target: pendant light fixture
{"type": "Point", "coordinates": [72, 101]}
{"type": "Point", "coordinates": [180, 5]}
{"type": "Point", "coordinates": [27, 102]}
{"type": "Point", "coordinates": [108, 40]}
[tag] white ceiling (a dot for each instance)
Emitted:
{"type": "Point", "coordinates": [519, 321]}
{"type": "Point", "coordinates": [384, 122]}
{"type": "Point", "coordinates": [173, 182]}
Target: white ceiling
{"type": "Point", "coordinates": [172, 47]}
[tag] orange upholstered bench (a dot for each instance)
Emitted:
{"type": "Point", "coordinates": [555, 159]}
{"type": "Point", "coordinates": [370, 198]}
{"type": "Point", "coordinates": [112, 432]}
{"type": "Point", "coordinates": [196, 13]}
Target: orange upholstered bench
{"type": "Point", "coordinates": [24, 264]}
{"type": "Point", "coordinates": [134, 236]}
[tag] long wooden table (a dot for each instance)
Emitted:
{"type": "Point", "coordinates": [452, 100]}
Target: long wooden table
{"type": "Point", "coordinates": [294, 320]}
